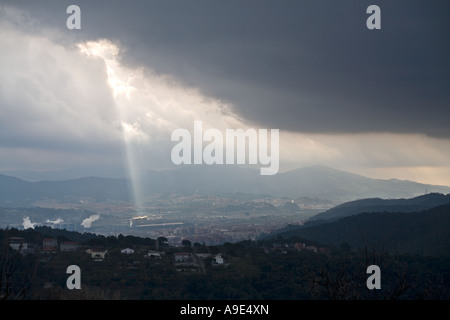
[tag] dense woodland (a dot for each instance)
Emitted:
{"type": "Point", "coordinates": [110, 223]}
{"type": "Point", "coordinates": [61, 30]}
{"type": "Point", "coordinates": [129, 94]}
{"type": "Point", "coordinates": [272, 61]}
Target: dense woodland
{"type": "Point", "coordinates": [424, 232]}
{"type": "Point", "coordinates": [266, 269]}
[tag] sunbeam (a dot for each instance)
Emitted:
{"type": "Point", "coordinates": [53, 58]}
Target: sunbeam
{"type": "Point", "coordinates": [108, 52]}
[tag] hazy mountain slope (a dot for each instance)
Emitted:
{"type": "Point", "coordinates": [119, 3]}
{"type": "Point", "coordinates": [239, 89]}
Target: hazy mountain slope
{"type": "Point", "coordinates": [315, 182]}
{"type": "Point", "coordinates": [328, 183]}
{"type": "Point", "coordinates": [17, 192]}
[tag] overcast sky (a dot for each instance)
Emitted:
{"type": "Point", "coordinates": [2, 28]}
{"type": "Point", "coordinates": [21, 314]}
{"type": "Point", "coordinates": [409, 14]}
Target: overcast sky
{"type": "Point", "coordinates": [375, 102]}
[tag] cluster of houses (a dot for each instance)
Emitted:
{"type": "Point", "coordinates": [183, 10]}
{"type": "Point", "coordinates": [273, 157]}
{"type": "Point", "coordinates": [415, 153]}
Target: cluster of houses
{"type": "Point", "coordinates": [182, 260]}
{"type": "Point", "coordinates": [49, 245]}
{"type": "Point", "coordinates": [186, 257]}
{"type": "Point", "coordinates": [148, 253]}
{"type": "Point", "coordinates": [185, 261]}
{"type": "Point", "coordinates": [285, 247]}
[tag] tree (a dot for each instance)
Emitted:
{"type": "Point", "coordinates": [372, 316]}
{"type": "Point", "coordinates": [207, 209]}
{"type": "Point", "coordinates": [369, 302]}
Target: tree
{"type": "Point", "coordinates": [10, 287]}
{"type": "Point", "coordinates": [186, 243]}
{"type": "Point", "coordinates": [162, 242]}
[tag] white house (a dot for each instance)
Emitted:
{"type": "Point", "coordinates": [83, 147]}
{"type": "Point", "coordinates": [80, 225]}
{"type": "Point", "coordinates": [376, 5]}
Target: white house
{"type": "Point", "coordinates": [18, 244]}
{"type": "Point", "coordinates": [97, 255]}
{"type": "Point", "coordinates": [154, 254]}
{"type": "Point", "coordinates": [50, 245]}
{"type": "Point", "coordinates": [69, 246]}
{"type": "Point", "coordinates": [182, 257]}
{"type": "Point", "coordinates": [219, 259]}
{"type": "Point", "coordinates": [127, 251]}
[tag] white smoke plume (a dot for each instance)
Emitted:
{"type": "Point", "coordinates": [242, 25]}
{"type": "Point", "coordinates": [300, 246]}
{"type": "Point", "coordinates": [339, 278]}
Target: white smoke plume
{"type": "Point", "coordinates": [27, 223]}
{"type": "Point", "coordinates": [56, 221]}
{"type": "Point", "coordinates": [140, 217]}
{"type": "Point", "coordinates": [87, 223]}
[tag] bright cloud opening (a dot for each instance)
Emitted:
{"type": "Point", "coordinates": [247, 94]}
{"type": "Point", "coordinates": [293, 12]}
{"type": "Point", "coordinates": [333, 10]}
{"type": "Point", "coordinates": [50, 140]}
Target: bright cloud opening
{"type": "Point", "coordinates": [80, 105]}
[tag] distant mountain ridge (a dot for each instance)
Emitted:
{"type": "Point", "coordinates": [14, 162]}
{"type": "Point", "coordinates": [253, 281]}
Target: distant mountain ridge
{"type": "Point", "coordinates": [17, 192]}
{"type": "Point", "coordinates": [314, 182]}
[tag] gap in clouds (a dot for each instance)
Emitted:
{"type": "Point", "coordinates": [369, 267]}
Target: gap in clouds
{"type": "Point", "coordinates": [69, 105]}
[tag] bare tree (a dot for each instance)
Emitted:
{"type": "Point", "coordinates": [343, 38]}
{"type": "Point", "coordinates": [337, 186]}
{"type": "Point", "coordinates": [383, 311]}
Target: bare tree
{"type": "Point", "coordinates": [334, 285]}
{"type": "Point", "coordinates": [8, 260]}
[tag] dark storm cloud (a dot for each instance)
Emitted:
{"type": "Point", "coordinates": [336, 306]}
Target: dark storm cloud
{"type": "Point", "coordinates": [306, 66]}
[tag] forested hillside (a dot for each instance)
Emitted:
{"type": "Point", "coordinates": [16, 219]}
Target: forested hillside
{"type": "Point", "coordinates": [425, 232]}
{"type": "Point", "coordinates": [277, 269]}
